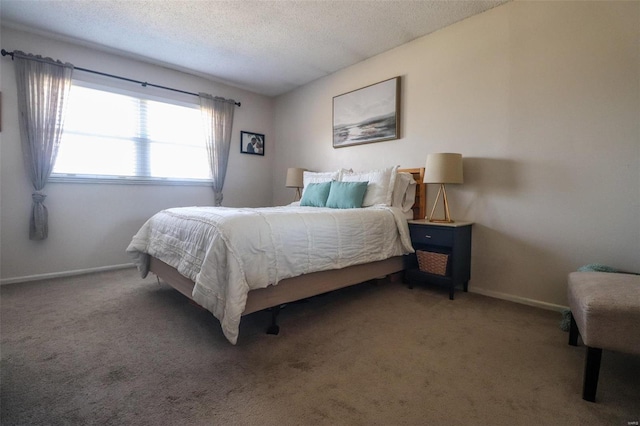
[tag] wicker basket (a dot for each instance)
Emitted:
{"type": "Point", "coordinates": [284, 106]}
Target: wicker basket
{"type": "Point", "coordinates": [433, 263]}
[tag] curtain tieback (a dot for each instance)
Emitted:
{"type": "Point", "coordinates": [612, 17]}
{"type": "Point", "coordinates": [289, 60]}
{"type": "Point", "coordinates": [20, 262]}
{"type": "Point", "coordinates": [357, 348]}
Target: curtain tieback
{"type": "Point", "coordinates": [218, 198]}
{"type": "Point", "coordinates": [38, 197]}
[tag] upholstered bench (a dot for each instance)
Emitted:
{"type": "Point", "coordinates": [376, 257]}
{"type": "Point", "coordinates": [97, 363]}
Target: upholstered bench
{"type": "Point", "coordinates": [605, 312]}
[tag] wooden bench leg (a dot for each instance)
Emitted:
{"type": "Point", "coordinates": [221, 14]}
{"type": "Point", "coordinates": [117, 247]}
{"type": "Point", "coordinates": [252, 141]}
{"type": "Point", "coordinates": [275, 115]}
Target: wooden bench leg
{"type": "Point", "coordinates": [573, 332]}
{"type": "Point", "coordinates": [591, 372]}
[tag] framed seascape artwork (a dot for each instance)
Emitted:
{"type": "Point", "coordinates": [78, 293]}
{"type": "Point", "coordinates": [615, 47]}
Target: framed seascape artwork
{"type": "Point", "coordinates": [251, 143]}
{"type": "Point", "coordinates": [369, 114]}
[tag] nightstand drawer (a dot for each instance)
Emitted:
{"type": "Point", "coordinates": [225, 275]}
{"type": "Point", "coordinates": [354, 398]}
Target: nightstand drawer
{"type": "Point", "coordinates": [431, 235]}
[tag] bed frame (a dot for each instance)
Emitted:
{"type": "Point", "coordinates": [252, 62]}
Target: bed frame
{"type": "Point", "coordinates": [304, 286]}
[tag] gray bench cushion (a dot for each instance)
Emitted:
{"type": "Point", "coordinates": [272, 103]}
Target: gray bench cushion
{"type": "Point", "coordinates": [606, 308]}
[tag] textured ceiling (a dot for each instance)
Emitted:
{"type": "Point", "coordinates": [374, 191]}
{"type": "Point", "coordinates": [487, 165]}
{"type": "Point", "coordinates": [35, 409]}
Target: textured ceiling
{"type": "Point", "coordinates": [268, 47]}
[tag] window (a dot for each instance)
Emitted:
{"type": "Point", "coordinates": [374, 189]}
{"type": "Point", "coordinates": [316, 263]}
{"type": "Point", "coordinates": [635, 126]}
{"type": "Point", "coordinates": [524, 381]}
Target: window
{"type": "Point", "coordinates": [113, 136]}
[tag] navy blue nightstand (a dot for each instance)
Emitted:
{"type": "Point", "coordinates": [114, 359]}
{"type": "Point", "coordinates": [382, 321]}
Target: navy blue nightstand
{"type": "Point", "coordinates": [452, 239]}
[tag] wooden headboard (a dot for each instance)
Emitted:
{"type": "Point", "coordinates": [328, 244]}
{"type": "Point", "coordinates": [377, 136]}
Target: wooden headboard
{"type": "Point", "coordinates": [420, 206]}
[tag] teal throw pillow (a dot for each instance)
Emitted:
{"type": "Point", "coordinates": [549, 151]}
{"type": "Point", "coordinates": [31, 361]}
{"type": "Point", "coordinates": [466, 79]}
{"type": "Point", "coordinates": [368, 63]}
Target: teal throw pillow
{"type": "Point", "coordinates": [315, 194]}
{"type": "Point", "coordinates": [346, 195]}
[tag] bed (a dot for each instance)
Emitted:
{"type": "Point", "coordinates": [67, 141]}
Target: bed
{"type": "Point", "coordinates": [262, 263]}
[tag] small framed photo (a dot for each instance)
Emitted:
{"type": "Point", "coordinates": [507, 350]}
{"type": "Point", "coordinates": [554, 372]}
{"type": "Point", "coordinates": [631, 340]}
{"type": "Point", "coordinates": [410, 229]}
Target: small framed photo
{"type": "Point", "coordinates": [251, 143]}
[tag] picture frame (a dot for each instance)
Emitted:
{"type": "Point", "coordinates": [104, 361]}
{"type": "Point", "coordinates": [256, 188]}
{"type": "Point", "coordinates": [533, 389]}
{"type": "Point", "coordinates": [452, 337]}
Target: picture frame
{"type": "Point", "coordinates": [366, 115]}
{"type": "Point", "coordinates": [252, 143]}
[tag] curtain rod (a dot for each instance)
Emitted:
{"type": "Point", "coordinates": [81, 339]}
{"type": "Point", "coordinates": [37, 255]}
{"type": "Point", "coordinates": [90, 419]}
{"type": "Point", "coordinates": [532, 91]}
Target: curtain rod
{"type": "Point", "coordinates": [142, 83]}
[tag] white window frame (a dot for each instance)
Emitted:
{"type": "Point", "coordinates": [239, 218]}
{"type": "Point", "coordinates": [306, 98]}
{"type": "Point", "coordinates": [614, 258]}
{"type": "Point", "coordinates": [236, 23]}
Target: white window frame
{"type": "Point", "coordinates": [137, 180]}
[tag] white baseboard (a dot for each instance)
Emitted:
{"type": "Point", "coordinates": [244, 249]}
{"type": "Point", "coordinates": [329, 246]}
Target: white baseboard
{"type": "Point", "coordinates": [62, 274]}
{"type": "Point", "coordinates": [489, 293]}
{"type": "Point", "coordinates": [518, 299]}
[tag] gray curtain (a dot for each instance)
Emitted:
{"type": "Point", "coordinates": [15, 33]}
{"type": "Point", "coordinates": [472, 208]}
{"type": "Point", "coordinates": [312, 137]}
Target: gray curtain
{"type": "Point", "coordinates": [217, 115]}
{"type": "Point", "coordinates": [43, 88]}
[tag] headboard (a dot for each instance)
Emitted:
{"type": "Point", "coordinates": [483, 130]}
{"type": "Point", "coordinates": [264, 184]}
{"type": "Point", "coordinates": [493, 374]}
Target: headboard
{"type": "Point", "coordinates": [420, 206]}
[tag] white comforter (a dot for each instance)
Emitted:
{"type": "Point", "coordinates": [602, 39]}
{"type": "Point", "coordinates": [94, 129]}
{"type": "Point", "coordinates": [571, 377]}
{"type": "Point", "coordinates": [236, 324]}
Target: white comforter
{"type": "Point", "coordinates": [228, 252]}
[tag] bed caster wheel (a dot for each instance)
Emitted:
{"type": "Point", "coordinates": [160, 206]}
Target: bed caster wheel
{"type": "Point", "coordinates": [274, 328]}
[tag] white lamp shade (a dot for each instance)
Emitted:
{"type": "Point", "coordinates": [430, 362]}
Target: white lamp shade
{"type": "Point", "coordinates": [294, 177]}
{"type": "Point", "coordinates": [443, 168]}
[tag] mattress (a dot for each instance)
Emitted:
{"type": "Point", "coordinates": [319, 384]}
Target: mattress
{"type": "Point", "coordinates": [227, 251]}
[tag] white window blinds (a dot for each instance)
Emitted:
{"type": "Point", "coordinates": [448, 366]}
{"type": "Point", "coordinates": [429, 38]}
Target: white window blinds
{"type": "Point", "coordinates": [116, 136]}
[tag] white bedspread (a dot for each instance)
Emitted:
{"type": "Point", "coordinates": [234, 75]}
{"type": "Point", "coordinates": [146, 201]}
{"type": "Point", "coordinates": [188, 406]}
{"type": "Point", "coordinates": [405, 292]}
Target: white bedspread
{"type": "Point", "coordinates": [228, 251]}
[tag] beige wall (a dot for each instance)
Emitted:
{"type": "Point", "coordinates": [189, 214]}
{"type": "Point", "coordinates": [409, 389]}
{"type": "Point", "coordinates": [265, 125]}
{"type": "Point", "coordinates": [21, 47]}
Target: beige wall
{"type": "Point", "coordinates": [90, 225]}
{"type": "Point", "coordinates": [543, 101]}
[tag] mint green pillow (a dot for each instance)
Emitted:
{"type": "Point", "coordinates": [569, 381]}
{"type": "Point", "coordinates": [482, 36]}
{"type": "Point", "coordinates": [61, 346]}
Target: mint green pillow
{"type": "Point", "coordinates": [315, 194]}
{"type": "Point", "coordinates": [346, 195]}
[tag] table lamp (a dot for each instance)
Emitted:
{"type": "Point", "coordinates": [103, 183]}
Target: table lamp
{"type": "Point", "coordinates": [441, 169]}
{"type": "Point", "coordinates": [294, 180]}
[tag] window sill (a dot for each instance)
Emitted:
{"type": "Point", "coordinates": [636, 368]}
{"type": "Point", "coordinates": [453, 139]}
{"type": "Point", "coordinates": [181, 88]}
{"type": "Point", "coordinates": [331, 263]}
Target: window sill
{"type": "Point", "coordinates": [127, 180]}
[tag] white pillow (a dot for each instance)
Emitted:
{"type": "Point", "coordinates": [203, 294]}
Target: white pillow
{"type": "Point", "coordinates": [404, 192]}
{"type": "Point", "coordinates": [380, 188]}
{"type": "Point", "coordinates": [318, 177]}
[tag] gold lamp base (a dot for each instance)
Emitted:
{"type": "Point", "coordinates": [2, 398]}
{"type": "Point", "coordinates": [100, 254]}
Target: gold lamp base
{"type": "Point", "coordinates": [447, 216]}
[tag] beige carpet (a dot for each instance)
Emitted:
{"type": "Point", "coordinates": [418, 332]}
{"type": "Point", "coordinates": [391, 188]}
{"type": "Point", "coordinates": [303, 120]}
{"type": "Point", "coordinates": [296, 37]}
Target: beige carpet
{"type": "Point", "coordinates": [115, 349]}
